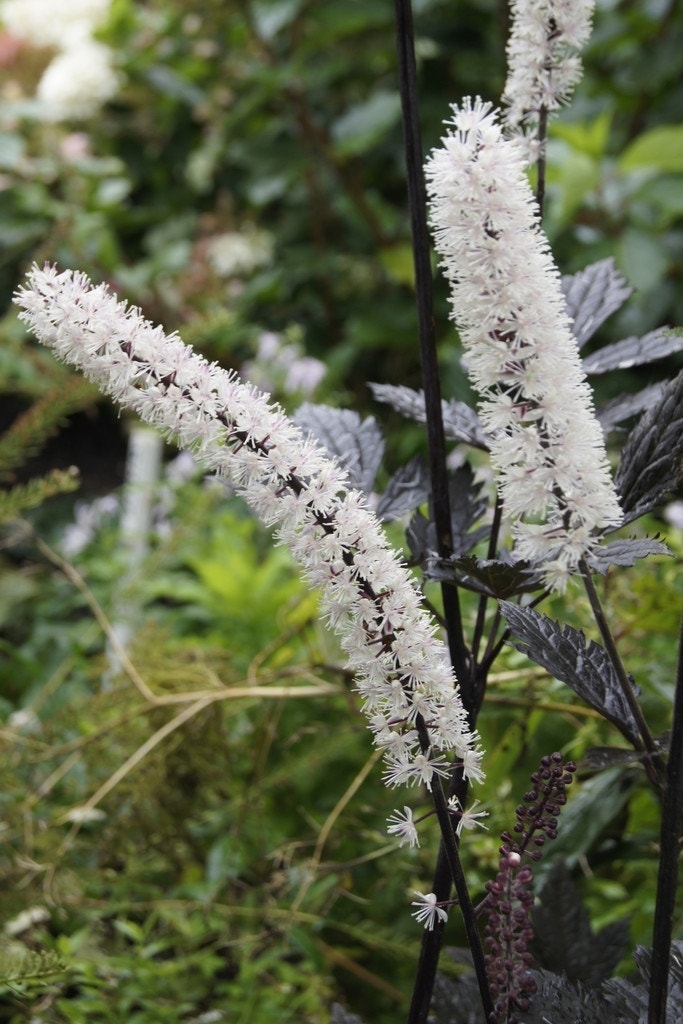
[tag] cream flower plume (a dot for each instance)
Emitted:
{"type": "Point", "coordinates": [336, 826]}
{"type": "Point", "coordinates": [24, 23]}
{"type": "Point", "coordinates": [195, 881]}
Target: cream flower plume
{"type": "Point", "coordinates": [402, 671]}
{"type": "Point", "coordinates": [546, 444]}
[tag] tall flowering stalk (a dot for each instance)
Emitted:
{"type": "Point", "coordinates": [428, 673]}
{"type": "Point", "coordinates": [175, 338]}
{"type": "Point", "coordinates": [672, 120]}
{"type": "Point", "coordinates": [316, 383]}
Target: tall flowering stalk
{"type": "Point", "coordinates": [543, 63]}
{"type": "Point", "coordinates": [547, 447]}
{"type": "Point", "coordinates": [402, 670]}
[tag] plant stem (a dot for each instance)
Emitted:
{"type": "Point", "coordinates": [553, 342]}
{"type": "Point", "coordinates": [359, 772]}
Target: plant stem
{"type": "Point", "coordinates": [541, 163]}
{"type": "Point", "coordinates": [448, 867]}
{"type": "Point", "coordinates": [653, 764]}
{"type": "Point", "coordinates": [449, 852]}
{"type": "Point", "coordinates": [669, 843]}
{"type": "Point", "coordinates": [417, 201]}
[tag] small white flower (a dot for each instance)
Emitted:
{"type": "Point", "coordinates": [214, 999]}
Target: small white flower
{"type": "Point", "coordinates": [428, 910]}
{"type": "Point", "coordinates": [403, 825]}
{"type": "Point", "coordinates": [469, 818]}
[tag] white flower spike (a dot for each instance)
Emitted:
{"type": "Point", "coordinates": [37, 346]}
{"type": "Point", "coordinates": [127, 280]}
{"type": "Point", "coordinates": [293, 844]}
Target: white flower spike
{"type": "Point", "coordinates": [543, 63]}
{"type": "Point", "coordinates": [368, 596]}
{"type": "Point", "coordinates": [547, 447]}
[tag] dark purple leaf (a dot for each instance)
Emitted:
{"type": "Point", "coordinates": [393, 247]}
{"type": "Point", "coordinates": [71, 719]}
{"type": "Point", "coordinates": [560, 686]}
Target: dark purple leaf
{"type": "Point", "coordinates": [408, 488]}
{"type": "Point", "coordinates": [460, 421]}
{"type": "Point", "coordinates": [488, 576]}
{"type": "Point", "coordinates": [651, 464]}
{"type": "Point", "coordinates": [625, 406]}
{"type": "Point", "coordinates": [356, 444]}
{"type": "Point", "coordinates": [625, 552]}
{"type": "Point", "coordinates": [592, 295]}
{"type": "Point", "coordinates": [634, 351]}
{"type": "Point", "coordinates": [585, 667]}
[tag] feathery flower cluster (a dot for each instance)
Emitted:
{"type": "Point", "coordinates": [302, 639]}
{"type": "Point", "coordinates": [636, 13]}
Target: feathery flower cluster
{"type": "Point", "coordinates": [81, 76]}
{"type": "Point", "coordinates": [543, 66]}
{"type": "Point", "coordinates": [546, 444]}
{"type": "Point", "coordinates": [402, 670]}
{"type": "Point", "coordinates": [78, 81]}
{"type": "Point", "coordinates": [40, 24]}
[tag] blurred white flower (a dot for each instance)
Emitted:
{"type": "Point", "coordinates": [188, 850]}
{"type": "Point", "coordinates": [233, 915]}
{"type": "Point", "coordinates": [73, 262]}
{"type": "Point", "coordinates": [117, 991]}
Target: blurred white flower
{"type": "Point", "coordinates": [25, 920]}
{"type": "Point", "coordinates": [58, 23]}
{"type": "Point", "coordinates": [238, 253]}
{"type": "Point", "coordinates": [84, 815]}
{"type": "Point", "coordinates": [673, 513]}
{"type": "Point", "coordinates": [280, 367]}
{"type": "Point", "coordinates": [79, 81]}
{"type": "Point", "coordinates": [25, 720]}
{"type": "Point", "coordinates": [304, 375]}
{"type": "Point", "coordinates": [88, 517]}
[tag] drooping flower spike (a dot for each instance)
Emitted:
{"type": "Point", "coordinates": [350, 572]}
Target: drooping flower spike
{"type": "Point", "coordinates": [547, 448]}
{"type": "Point", "coordinates": [402, 670]}
{"type": "Point", "coordinates": [543, 61]}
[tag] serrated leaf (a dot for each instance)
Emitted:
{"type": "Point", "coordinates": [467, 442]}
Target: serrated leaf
{"type": "Point", "coordinates": [467, 506]}
{"type": "Point", "coordinates": [564, 941]}
{"type": "Point", "coordinates": [558, 1001]}
{"type": "Point", "coordinates": [651, 464]}
{"type": "Point", "coordinates": [585, 667]}
{"type": "Point", "coordinates": [460, 421]}
{"type": "Point", "coordinates": [358, 445]}
{"type": "Point", "coordinates": [407, 488]}
{"type": "Point", "coordinates": [625, 406]}
{"type": "Point", "coordinates": [489, 576]}
{"type": "Point", "coordinates": [592, 295]}
{"type": "Point", "coordinates": [597, 759]}
{"type": "Point", "coordinates": [625, 552]}
{"type": "Point", "coordinates": [623, 994]}
{"type": "Point", "coordinates": [634, 351]}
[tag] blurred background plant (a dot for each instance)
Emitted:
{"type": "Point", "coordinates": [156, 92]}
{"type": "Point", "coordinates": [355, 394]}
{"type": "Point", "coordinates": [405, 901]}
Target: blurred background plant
{"type": "Point", "coordinates": [236, 169]}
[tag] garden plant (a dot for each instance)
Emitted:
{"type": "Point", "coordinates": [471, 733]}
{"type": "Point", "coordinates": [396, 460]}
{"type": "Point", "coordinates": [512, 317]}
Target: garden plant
{"type": "Point", "coordinates": [538, 772]}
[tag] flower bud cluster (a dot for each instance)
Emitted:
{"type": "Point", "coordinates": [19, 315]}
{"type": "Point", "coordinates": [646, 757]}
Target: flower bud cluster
{"type": "Point", "coordinates": [508, 931]}
{"type": "Point", "coordinates": [402, 670]}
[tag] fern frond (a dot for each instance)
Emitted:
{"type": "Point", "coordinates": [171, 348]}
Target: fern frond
{"type": "Point", "coordinates": [16, 501]}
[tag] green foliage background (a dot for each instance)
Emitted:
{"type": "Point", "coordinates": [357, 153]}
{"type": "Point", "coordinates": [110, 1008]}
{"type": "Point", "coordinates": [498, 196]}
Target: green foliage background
{"type": "Point", "coordinates": [211, 883]}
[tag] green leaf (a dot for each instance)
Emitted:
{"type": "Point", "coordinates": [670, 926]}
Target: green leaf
{"type": "Point", "coordinates": [642, 258]}
{"type": "Point", "coordinates": [363, 125]}
{"type": "Point", "coordinates": [588, 137]}
{"type": "Point", "coordinates": [660, 148]}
